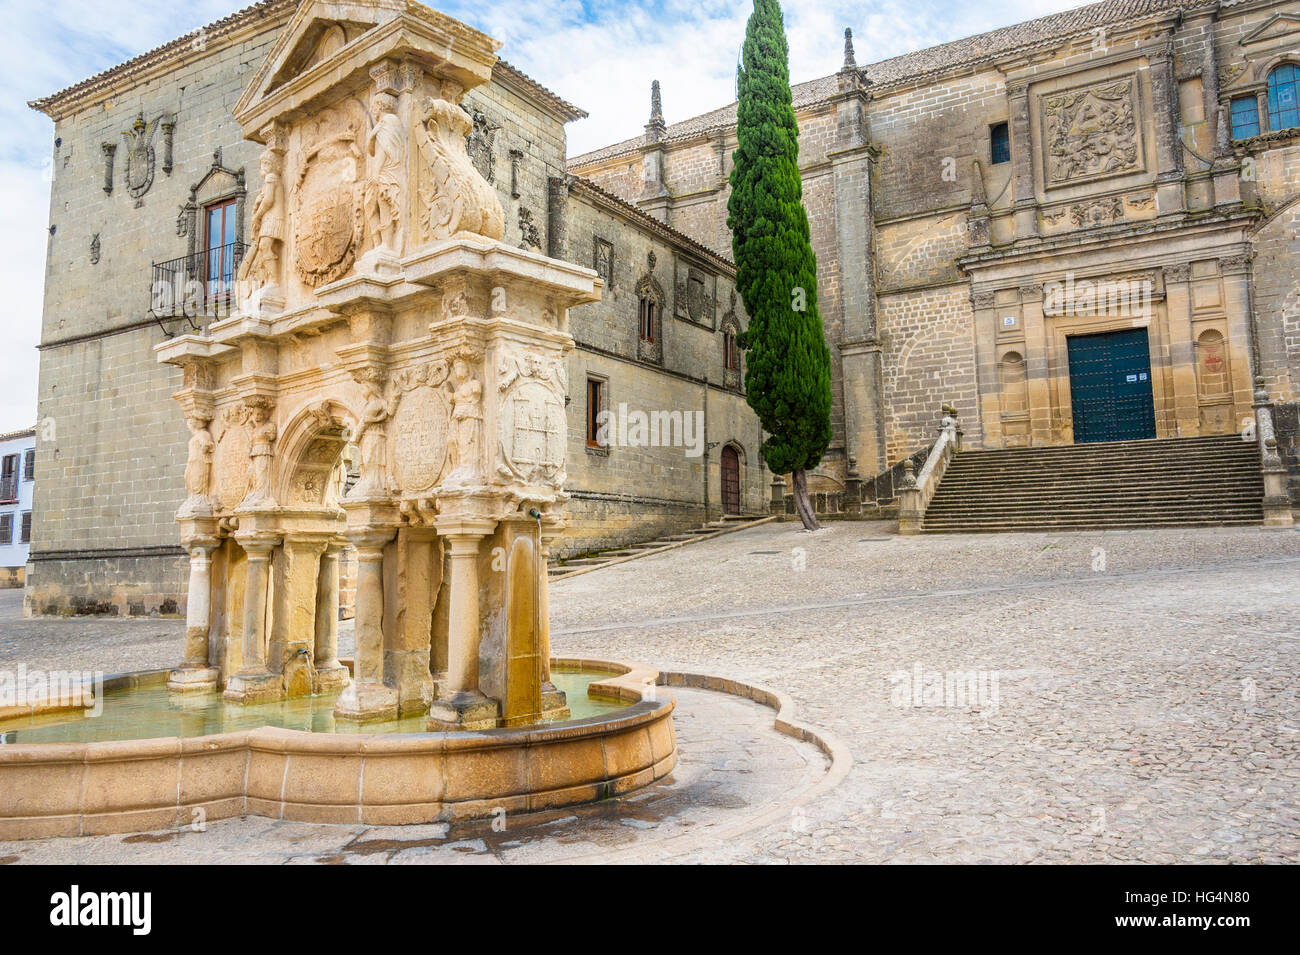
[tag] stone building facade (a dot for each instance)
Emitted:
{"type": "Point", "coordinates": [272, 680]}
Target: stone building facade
{"type": "Point", "coordinates": [1114, 186]}
{"type": "Point", "coordinates": [151, 202]}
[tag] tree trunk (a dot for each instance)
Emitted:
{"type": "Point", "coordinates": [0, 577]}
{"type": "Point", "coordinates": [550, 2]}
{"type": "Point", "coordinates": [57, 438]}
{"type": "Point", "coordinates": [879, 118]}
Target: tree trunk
{"type": "Point", "coordinates": [802, 506]}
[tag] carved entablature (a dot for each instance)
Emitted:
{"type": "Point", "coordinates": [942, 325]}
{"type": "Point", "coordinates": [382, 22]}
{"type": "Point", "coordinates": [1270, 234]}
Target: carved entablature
{"type": "Point", "coordinates": [1091, 132]}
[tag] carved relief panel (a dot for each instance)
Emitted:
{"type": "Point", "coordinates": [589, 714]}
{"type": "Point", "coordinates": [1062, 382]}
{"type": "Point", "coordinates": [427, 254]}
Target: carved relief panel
{"type": "Point", "coordinates": [533, 427]}
{"type": "Point", "coordinates": [418, 435]}
{"type": "Point", "coordinates": [1090, 132]}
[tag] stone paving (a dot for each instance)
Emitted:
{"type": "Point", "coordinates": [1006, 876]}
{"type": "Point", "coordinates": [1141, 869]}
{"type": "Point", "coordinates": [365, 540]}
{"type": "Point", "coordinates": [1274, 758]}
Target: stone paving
{"type": "Point", "coordinates": [1133, 699]}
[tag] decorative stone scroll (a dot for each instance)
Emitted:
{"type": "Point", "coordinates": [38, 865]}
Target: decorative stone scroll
{"type": "Point", "coordinates": [1091, 132]}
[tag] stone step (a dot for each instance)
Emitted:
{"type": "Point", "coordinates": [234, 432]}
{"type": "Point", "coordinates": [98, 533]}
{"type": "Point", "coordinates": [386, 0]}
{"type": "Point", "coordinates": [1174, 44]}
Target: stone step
{"type": "Point", "coordinates": [1174, 482]}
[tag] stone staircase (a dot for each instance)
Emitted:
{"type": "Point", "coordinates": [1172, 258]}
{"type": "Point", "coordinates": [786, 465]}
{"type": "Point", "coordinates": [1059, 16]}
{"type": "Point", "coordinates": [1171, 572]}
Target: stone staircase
{"type": "Point", "coordinates": [728, 523]}
{"type": "Point", "coordinates": [1170, 482]}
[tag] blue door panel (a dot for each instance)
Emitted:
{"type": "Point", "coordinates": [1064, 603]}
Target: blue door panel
{"type": "Point", "coordinates": [1110, 386]}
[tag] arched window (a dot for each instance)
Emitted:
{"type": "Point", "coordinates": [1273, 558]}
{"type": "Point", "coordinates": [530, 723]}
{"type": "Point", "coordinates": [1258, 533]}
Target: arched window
{"type": "Point", "coordinates": [1013, 384]}
{"type": "Point", "coordinates": [730, 353]}
{"type": "Point", "coordinates": [650, 313]}
{"type": "Point", "coordinates": [1283, 106]}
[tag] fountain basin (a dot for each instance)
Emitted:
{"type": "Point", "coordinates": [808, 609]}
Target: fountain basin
{"type": "Point", "coordinates": [69, 789]}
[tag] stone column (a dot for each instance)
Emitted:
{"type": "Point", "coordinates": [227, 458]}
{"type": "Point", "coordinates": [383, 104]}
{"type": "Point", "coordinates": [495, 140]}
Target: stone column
{"type": "Point", "coordinates": [366, 698]}
{"type": "Point", "coordinates": [1182, 353]}
{"type": "Point", "coordinates": [1036, 371]}
{"type": "Point", "coordinates": [195, 674]}
{"type": "Point", "coordinates": [464, 705]}
{"type": "Point", "coordinates": [1261, 106]}
{"type": "Point", "coordinates": [1026, 205]}
{"type": "Point", "coordinates": [254, 683]}
{"type": "Point", "coordinates": [407, 649]}
{"type": "Point", "coordinates": [1170, 196]}
{"type": "Point", "coordinates": [330, 674]}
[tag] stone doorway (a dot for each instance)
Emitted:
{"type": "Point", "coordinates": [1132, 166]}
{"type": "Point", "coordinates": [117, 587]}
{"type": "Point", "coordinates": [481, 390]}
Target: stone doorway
{"type": "Point", "coordinates": [1110, 386]}
{"type": "Point", "coordinates": [730, 480]}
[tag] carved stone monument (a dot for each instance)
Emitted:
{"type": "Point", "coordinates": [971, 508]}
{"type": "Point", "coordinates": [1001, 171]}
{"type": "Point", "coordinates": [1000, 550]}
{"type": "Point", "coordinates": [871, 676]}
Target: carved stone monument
{"type": "Point", "coordinates": [399, 324]}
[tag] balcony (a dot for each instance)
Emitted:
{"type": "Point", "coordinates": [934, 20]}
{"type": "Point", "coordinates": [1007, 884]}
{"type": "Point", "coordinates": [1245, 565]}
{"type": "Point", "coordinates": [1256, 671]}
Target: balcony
{"type": "Point", "coordinates": [9, 490]}
{"type": "Point", "coordinates": [195, 289]}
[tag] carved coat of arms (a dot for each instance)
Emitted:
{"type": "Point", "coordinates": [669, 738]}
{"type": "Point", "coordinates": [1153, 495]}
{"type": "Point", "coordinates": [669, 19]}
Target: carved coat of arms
{"type": "Point", "coordinates": [140, 155]}
{"type": "Point", "coordinates": [326, 205]}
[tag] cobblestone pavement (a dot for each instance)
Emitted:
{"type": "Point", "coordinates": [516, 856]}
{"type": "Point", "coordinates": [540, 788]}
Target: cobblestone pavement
{"type": "Point", "coordinates": [1136, 691]}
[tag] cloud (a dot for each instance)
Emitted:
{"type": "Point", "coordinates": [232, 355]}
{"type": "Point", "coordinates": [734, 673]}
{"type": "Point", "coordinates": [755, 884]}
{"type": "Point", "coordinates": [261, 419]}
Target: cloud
{"type": "Point", "coordinates": [598, 54]}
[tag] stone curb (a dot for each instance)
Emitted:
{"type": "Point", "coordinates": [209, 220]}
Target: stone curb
{"type": "Point", "coordinates": [785, 723]}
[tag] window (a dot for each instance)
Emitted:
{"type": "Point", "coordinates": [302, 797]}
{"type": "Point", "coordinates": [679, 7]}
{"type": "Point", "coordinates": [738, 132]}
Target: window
{"type": "Point", "coordinates": [9, 479]}
{"type": "Point", "coordinates": [1283, 108]}
{"type": "Point", "coordinates": [29, 465]}
{"type": "Point", "coordinates": [220, 238]}
{"type": "Point", "coordinates": [649, 320]}
{"type": "Point", "coordinates": [26, 536]}
{"type": "Point", "coordinates": [999, 143]}
{"type": "Point", "coordinates": [595, 404]}
{"type": "Point", "coordinates": [6, 529]}
{"type": "Point", "coordinates": [730, 353]}
{"type": "Point", "coordinates": [1245, 117]}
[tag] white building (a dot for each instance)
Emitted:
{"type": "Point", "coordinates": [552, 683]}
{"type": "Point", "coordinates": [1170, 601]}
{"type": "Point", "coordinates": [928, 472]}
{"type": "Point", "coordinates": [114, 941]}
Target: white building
{"type": "Point", "coordinates": [17, 477]}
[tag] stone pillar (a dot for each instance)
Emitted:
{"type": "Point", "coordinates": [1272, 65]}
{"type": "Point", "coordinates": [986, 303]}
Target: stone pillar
{"type": "Point", "coordinates": [552, 698]}
{"type": "Point", "coordinates": [984, 312]}
{"type": "Point", "coordinates": [1036, 371]}
{"type": "Point", "coordinates": [366, 698]}
{"type": "Point", "coordinates": [1242, 356]}
{"type": "Point", "coordinates": [1277, 503]}
{"type": "Point", "coordinates": [195, 674]}
{"type": "Point", "coordinates": [1026, 206]}
{"type": "Point", "coordinates": [1182, 351]}
{"type": "Point", "coordinates": [1170, 196]}
{"type": "Point", "coordinates": [254, 683]}
{"type": "Point", "coordinates": [776, 505]}
{"type": "Point", "coordinates": [557, 225]}
{"type": "Point", "coordinates": [464, 705]}
{"type": "Point", "coordinates": [407, 649]}
{"type": "Point", "coordinates": [330, 674]}
{"type": "Point", "coordinates": [1261, 105]}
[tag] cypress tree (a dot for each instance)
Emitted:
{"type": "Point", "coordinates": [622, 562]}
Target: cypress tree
{"type": "Point", "coordinates": [788, 366]}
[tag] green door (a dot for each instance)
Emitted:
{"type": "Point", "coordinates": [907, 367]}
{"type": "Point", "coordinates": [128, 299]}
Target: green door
{"type": "Point", "coordinates": [1110, 386]}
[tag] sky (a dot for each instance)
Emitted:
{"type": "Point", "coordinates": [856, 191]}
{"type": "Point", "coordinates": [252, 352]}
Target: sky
{"type": "Point", "coordinates": [600, 55]}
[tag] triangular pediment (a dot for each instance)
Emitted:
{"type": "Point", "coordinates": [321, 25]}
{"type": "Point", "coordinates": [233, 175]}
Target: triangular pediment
{"type": "Point", "coordinates": [1276, 27]}
{"type": "Point", "coordinates": [317, 30]}
{"type": "Point", "coordinates": [328, 47]}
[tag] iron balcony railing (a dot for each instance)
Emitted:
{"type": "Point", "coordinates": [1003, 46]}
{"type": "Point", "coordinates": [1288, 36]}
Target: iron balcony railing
{"type": "Point", "coordinates": [9, 490]}
{"type": "Point", "coordinates": [197, 288]}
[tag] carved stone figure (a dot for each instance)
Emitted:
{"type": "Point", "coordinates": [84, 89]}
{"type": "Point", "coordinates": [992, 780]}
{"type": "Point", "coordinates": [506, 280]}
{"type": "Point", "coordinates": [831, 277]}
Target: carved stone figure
{"type": "Point", "coordinates": [455, 200]}
{"type": "Point", "coordinates": [466, 423]}
{"type": "Point", "coordinates": [386, 146]}
{"type": "Point", "coordinates": [261, 453]}
{"type": "Point", "coordinates": [372, 437]}
{"type": "Point", "coordinates": [267, 225]}
{"type": "Point", "coordinates": [198, 467]}
{"type": "Point", "coordinates": [1090, 132]}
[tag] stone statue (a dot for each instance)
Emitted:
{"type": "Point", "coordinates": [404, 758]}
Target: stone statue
{"type": "Point", "coordinates": [386, 146]}
{"type": "Point", "coordinates": [372, 437]}
{"type": "Point", "coordinates": [263, 264]}
{"type": "Point", "coordinates": [198, 466]}
{"type": "Point", "coordinates": [455, 200]}
{"type": "Point", "coordinates": [261, 454]}
{"type": "Point", "coordinates": [466, 423]}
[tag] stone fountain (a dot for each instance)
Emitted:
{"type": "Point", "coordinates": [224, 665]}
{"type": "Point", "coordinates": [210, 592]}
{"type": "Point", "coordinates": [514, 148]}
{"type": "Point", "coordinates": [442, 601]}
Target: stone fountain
{"type": "Point", "coordinates": [377, 308]}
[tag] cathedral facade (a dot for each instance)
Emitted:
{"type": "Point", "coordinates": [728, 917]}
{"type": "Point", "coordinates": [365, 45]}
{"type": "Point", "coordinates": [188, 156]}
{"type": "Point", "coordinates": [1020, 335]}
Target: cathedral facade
{"type": "Point", "coordinates": [995, 220]}
{"type": "Point", "coordinates": [998, 218]}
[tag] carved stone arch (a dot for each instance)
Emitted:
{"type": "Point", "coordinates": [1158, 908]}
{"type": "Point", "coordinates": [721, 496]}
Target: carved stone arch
{"type": "Point", "coordinates": [650, 295]}
{"type": "Point", "coordinates": [219, 184]}
{"type": "Point", "coordinates": [310, 451]}
{"type": "Point", "coordinates": [730, 325]}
